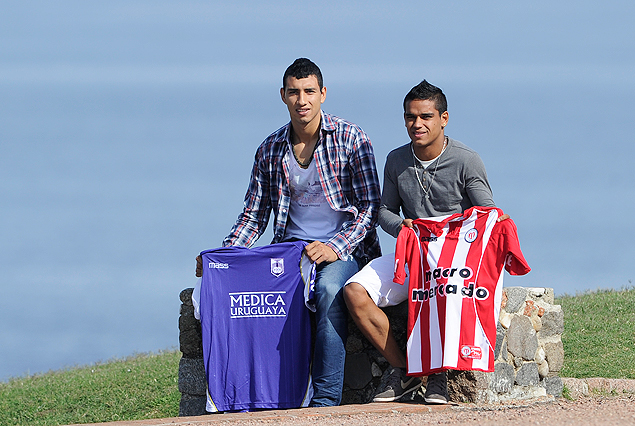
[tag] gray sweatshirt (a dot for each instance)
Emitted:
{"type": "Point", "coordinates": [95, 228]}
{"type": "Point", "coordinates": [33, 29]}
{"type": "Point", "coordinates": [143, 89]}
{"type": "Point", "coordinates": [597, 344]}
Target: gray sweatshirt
{"type": "Point", "coordinates": [459, 181]}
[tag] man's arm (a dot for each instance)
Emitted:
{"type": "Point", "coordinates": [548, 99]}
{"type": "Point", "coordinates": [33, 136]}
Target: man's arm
{"type": "Point", "coordinates": [476, 183]}
{"type": "Point", "coordinates": [365, 196]}
{"type": "Point", "coordinates": [389, 218]}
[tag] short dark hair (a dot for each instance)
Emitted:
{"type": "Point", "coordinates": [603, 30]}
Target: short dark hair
{"type": "Point", "coordinates": [302, 68]}
{"type": "Point", "coordinates": [425, 91]}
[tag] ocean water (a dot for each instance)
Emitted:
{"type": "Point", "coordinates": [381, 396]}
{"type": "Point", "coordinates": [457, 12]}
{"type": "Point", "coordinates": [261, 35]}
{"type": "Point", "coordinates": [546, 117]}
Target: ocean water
{"type": "Point", "coordinates": [108, 191]}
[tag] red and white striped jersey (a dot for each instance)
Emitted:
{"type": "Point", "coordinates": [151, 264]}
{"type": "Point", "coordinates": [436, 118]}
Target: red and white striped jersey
{"type": "Point", "coordinates": [456, 282]}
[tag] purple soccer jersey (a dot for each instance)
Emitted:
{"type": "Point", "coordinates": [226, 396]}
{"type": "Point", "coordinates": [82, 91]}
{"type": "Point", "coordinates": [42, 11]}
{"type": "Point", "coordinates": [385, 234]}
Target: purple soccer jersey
{"type": "Point", "coordinates": [256, 327]}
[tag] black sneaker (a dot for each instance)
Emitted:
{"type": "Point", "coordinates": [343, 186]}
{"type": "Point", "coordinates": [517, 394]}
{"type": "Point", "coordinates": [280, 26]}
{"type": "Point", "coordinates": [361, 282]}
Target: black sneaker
{"type": "Point", "coordinates": [397, 385]}
{"type": "Point", "coordinates": [437, 389]}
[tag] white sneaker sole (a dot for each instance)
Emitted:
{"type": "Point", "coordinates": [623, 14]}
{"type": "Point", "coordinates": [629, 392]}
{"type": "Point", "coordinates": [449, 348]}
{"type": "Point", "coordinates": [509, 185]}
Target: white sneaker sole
{"type": "Point", "coordinates": [435, 400]}
{"type": "Point", "coordinates": [397, 398]}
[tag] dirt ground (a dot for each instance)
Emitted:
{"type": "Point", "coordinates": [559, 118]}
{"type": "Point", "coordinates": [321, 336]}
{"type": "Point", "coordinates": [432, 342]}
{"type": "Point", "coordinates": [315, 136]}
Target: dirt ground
{"type": "Point", "coordinates": [597, 401]}
{"type": "Point", "coordinates": [596, 410]}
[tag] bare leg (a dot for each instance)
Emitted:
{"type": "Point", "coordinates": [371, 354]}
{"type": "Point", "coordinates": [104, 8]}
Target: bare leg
{"type": "Point", "coordinates": [373, 323]}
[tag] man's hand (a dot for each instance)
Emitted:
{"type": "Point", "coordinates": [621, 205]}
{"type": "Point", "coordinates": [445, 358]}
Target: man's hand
{"type": "Point", "coordinates": [407, 223]}
{"type": "Point", "coordinates": [502, 218]}
{"type": "Point", "coordinates": [319, 252]}
{"type": "Point", "coordinates": [199, 266]}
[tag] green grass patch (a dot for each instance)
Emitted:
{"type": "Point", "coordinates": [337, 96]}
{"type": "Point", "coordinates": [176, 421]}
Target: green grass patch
{"type": "Point", "coordinates": [143, 386]}
{"type": "Point", "coordinates": [599, 334]}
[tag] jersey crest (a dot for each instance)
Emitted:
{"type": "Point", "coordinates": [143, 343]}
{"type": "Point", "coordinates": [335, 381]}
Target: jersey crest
{"type": "Point", "coordinates": [277, 267]}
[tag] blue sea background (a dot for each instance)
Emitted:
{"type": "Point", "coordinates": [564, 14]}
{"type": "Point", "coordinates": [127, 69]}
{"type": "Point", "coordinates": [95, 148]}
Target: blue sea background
{"type": "Point", "coordinates": [128, 129]}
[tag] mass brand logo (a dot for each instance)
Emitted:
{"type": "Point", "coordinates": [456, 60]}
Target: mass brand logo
{"type": "Point", "coordinates": [277, 267]}
{"type": "Point", "coordinates": [216, 265]}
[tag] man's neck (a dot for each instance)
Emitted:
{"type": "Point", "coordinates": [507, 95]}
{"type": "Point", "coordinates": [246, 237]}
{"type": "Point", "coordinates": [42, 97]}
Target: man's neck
{"type": "Point", "coordinates": [306, 133]}
{"type": "Point", "coordinates": [431, 151]}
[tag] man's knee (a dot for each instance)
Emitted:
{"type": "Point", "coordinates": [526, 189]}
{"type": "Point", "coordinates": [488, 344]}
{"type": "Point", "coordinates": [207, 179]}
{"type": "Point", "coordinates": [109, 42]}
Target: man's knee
{"type": "Point", "coordinates": [356, 296]}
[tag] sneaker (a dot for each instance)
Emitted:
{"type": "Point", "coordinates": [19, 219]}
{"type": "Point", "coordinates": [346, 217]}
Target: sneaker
{"type": "Point", "coordinates": [397, 385]}
{"type": "Point", "coordinates": [437, 389]}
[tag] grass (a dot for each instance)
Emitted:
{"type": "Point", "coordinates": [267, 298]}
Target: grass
{"type": "Point", "coordinates": [139, 387]}
{"type": "Point", "coordinates": [599, 341]}
{"type": "Point", "coordinates": [599, 334]}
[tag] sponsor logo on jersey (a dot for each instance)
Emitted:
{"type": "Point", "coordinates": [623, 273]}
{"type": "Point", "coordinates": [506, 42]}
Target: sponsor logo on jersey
{"type": "Point", "coordinates": [430, 238]}
{"type": "Point", "coordinates": [216, 265]}
{"type": "Point", "coordinates": [442, 290]}
{"type": "Point", "coordinates": [471, 235]}
{"type": "Point", "coordinates": [277, 267]}
{"type": "Point", "coordinates": [252, 304]}
{"type": "Point", "coordinates": [438, 273]}
{"type": "Point", "coordinates": [471, 352]}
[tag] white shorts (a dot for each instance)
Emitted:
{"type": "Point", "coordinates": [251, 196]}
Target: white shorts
{"type": "Point", "coordinates": [377, 278]}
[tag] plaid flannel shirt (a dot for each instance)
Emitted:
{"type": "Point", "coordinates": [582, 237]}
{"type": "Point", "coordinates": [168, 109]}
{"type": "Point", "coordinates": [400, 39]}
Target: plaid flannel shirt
{"type": "Point", "coordinates": [346, 166]}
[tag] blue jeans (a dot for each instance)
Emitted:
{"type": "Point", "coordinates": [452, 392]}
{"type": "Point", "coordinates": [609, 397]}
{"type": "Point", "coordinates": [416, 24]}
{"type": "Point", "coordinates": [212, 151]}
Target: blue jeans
{"type": "Point", "coordinates": [331, 331]}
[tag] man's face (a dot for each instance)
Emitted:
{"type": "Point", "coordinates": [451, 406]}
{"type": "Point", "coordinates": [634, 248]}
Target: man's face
{"type": "Point", "coordinates": [303, 98]}
{"type": "Point", "coordinates": [424, 123]}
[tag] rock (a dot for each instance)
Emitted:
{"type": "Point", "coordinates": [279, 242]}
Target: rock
{"type": "Point", "coordinates": [553, 385]}
{"type": "Point", "coordinates": [523, 393]}
{"type": "Point", "coordinates": [467, 386]}
{"type": "Point", "coordinates": [535, 320]}
{"type": "Point", "coordinates": [500, 336]}
{"type": "Point", "coordinates": [545, 295]}
{"type": "Point", "coordinates": [504, 319]}
{"type": "Point", "coordinates": [515, 298]}
{"type": "Point", "coordinates": [187, 321]}
{"type": "Point", "coordinates": [192, 405]}
{"type": "Point", "coordinates": [191, 343]}
{"type": "Point", "coordinates": [554, 353]}
{"type": "Point", "coordinates": [186, 296]}
{"type": "Point", "coordinates": [552, 323]}
{"type": "Point", "coordinates": [192, 378]}
{"type": "Point", "coordinates": [529, 308]}
{"type": "Point", "coordinates": [504, 351]}
{"type": "Point", "coordinates": [354, 345]}
{"type": "Point", "coordinates": [503, 378]}
{"type": "Point", "coordinates": [543, 369]}
{"type": "Point", "coordinates": [540, 356]}
{"type": "Point", "coordinates": [528, 375]}
{"type": "Point", "coordinates": [521, 338]}
{"type": "Point", "coordinates": [576, 387]}
{"type": "Point", "coordinates": [375, 370]}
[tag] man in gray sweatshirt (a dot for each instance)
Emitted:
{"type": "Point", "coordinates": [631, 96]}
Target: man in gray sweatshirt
{"type": "Point", "coordinates": [432, 175]}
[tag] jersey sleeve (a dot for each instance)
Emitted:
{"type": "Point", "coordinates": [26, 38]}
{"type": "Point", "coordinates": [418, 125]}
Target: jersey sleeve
{"type": "Point", "coordinates": [308, 271]}
{"type": "Point", "coordinates": [515, 262]}
{"type": "Point", "coordinates": [404, 253]}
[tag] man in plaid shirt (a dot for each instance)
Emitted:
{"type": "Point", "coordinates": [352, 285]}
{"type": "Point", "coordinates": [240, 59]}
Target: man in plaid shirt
{"type": "Point", "coordinates": [317, 175]}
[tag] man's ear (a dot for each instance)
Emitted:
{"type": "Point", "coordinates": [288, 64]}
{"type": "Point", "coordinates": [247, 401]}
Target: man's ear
{"type": "Point", "coordinates": [445, 117]}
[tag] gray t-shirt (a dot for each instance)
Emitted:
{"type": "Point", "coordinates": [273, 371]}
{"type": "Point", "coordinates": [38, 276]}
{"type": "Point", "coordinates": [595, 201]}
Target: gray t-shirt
{"type": "Point", "coordinates": [459, 181]}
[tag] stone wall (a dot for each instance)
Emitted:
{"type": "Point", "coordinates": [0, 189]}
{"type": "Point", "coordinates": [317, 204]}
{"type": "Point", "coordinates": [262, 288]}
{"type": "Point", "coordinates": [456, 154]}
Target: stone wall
{"type": "Point", "coordinates": [529, 355]}
{"type": "Point", "coordinates": [192, 382]}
